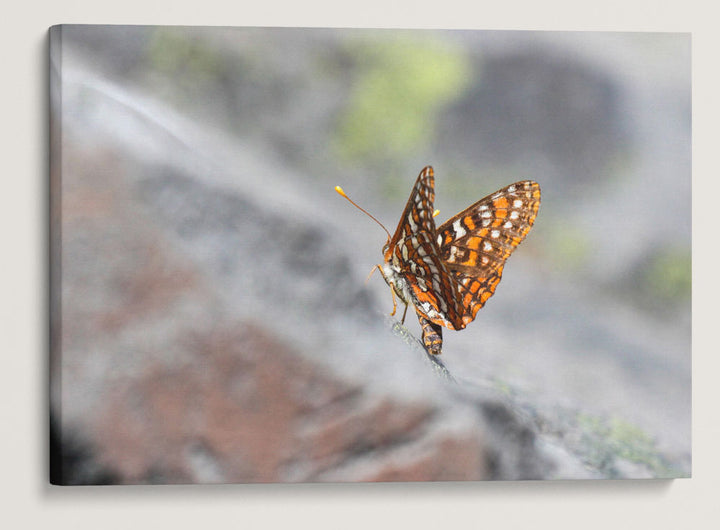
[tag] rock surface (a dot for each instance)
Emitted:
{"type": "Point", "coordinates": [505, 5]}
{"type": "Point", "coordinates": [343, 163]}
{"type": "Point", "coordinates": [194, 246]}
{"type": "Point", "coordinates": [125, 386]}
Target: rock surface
{"type": "Point", "coordinates": [161, 383]}
{"type": "Point", "coordinates": [210, 323]}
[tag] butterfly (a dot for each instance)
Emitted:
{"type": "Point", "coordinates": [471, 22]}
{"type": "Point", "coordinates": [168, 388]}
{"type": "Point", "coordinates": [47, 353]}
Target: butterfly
{"type": "Point", "coordinates": [449, 272]}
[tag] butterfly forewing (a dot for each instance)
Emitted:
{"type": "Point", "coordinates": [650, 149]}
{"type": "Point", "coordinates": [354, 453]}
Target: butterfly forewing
{"type": "Point", "coordinates": [476, 242]}
{"type": "Point", "coordinates": [415, 250]}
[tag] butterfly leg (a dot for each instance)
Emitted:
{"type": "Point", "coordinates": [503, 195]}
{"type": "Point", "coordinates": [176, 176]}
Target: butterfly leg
{"type": "Point", "coordinates": [432, 335]}
{"type": "Point", "coordinates": [392, 291]}
{"type": "Point", "coordinates": [376, 267]}
{"type": "Point", "coordinates": [404, 313]}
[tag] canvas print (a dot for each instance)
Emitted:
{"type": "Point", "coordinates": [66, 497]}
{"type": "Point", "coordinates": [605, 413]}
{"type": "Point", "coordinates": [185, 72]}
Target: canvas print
{"type": "Point", "coordinates": [294, 255]}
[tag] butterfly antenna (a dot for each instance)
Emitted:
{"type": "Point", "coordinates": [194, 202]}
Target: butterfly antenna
{"type": "Point", "coordinates": [342, 192]}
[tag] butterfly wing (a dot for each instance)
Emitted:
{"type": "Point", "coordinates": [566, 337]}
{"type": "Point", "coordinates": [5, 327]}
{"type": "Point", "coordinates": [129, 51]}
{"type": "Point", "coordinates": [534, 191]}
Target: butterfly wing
{"type": "Point", "coordinates": [414, 251]}
{"type": "Point", "coordinates": [475, 244]}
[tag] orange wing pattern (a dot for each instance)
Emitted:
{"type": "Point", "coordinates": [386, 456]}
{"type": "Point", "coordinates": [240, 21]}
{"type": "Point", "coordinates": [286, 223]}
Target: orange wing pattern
{"type": "Point", "coordinates": [476, 242]}
{"type": "Point", "coordinates": [448, 273]}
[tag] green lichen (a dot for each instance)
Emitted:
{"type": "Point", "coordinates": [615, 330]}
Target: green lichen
{"type": "Point", "coordinates": [669, 274]}
{"type": "Point", "coordinates": [187, 59]}
{"type": "Point", "coordinates": [570, 247]}
{"type": "Point", "coordinates": [603, 442]}
{"type": "Point", "coordinates": [402, 82]}
{"type": "Point", "coordinates": [503, 387]}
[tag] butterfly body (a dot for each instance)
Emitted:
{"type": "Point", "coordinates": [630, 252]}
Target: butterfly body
{"type": "Point", "coordinates": [402, 288]}
{"type": "Point", "coordinates": [449, 272]}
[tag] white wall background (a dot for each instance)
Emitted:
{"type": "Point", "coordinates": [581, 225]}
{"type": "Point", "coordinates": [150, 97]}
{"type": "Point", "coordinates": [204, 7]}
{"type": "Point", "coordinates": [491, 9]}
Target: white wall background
{"type": "Point", "coordinates": [27, 499]}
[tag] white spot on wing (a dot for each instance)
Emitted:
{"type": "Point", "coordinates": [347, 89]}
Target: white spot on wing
{"type": "Point", "coordinates": [412, 224]}
{"type": "Point", "coordinates": [459, 229]}
{"type": "Point", "coordinates": [487, 245]}
{"type": "Point", "coordinates": [436, 285]}
{"type": "Point", "coordinates": [443, 305]}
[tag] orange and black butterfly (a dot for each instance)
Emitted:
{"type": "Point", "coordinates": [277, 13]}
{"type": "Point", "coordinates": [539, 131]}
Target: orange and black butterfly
{"type": "Point", "coordinates": [449, 272]}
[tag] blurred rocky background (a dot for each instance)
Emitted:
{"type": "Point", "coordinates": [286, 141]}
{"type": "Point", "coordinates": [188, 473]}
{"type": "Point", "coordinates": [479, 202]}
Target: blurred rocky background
{"type": "Point", "coordinates": [210, 316]}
